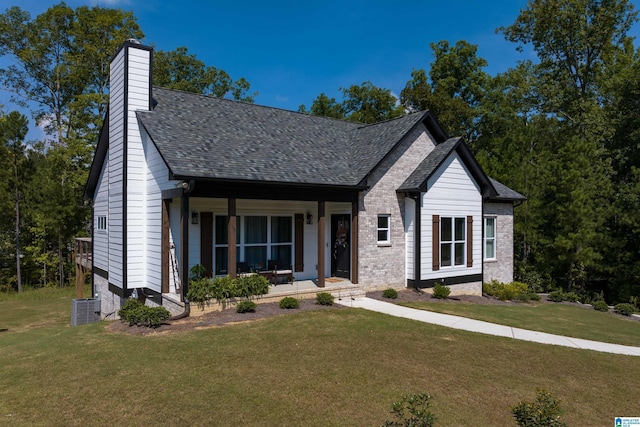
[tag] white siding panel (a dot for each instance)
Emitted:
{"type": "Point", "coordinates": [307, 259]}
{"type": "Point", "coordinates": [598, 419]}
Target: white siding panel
{"type": "Point", "coordinates": [101, 208]}
{"type": "Point", "coordinates": [115, 170]}
{"type": "Point", "coordinates": [409, 231]}
{"type": "Point", "coordinates": [451, 192]}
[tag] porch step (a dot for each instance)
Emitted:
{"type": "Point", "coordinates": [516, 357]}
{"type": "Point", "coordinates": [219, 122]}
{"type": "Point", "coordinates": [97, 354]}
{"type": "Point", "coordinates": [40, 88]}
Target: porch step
{"type": "Point", "coordinates": [347, 294]}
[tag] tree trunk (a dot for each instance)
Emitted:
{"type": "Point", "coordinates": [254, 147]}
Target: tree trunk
{"type": "Point", "coordinates": [60, 260]}
{"type": "Point", "coordinates": [18, 274]}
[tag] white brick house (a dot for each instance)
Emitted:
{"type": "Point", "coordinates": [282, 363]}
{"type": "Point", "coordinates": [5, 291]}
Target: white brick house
{"type": "Point", "coordinates": [180, 179]}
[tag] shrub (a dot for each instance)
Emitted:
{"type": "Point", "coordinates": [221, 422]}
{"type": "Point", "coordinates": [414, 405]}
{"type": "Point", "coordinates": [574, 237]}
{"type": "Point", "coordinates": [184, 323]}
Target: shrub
{"type": "Point", "coordinates": [600, 306]}
{"type": "Point", "coordinates": [571, 297]}
{"type": "Point", "coordinates": [544, 412]}
{"type": "Point", "coordinates": [200, 290]}
{"type": "Point", "coordinates": [390, 293]}
{"type": "Point", "coordinates": [324, 298]}
{"type": "Point", "coordinates": [624, 308]}
{"type": "Point", "coordinates": [136, 313]}
{"type": "Point", "coordinates": [440, 291]}
{"type": "Point", "coordinates": [507, 291]}
{"type": "Point", "coordinates": [251, 285]}
{"type": "Point", "coordinates": [289, 303]}
{"type": "Point", "coordinates": [246, 307]}
{"type": "Point", "coordinates": [412, 410]}
{"type": "Point", "coordinates": [534, 296]}
{"type": "Point", "coordinates": [556, 296]}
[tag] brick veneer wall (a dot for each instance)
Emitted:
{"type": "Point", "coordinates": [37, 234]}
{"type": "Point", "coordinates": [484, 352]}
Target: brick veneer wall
{"type": "Point", "coordinates": [502, 268]}
{"type": "Point", "coordinates": [382, 266]}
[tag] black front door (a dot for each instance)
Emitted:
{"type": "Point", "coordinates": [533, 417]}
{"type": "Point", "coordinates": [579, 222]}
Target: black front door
{"type": "Point", "coordinates": [341, 252]}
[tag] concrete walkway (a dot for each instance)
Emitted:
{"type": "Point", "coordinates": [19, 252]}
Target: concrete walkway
{"type": "Point", "coordinates": [479, 326]}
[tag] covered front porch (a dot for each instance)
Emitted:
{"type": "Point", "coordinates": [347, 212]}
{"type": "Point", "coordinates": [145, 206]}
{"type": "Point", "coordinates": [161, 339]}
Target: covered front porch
{"type": "Point", "coordinates": [308, 235]}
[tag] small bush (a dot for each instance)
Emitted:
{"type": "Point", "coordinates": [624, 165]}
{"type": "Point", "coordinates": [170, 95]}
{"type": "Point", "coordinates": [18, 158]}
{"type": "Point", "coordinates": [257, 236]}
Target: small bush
{"type": "Point", "coordinates": [136, 313]}
{"type": "Point", "coordinates": [324, 298]}
{"type": "Point", "coordinates": [556, 296]}
{"type": "Point", "coordinates": [289, 303]}
{"type": "Point", "coordinates": [544, 412]}
{"type": "Point", "coordinates": [507, 291]}
{"type": "Point", "coordinates": [534, 296]}
{"type": "Point", "coordinates": [412, 410]}
{"type": "Point", "coordinates": [440, 291]}
{"type": "Point", "coordinates": [390, 293]}
{"type": "Point", "coordinates": [246, 307]}
{"type": "Point", "coordinates": [251, 285]}
{"type": "Point", "coordinates": [600, 306]}
{"type": "Point", "coordinates": [200, 290]}
{"type": "Point", "coordinates": [624, 308]}
{"type": "Point", "coordinates": [571, 297]}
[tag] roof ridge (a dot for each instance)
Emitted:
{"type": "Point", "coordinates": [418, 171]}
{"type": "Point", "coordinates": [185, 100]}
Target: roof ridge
{"type": "Point", "coordinates": [238, 102]}
{"type": "Point", "coordinates": [404, 116]}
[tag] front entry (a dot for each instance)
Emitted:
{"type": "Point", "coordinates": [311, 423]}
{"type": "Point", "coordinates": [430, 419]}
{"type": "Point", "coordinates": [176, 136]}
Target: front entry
{"type": "Point", "coordinates": [341, 251]}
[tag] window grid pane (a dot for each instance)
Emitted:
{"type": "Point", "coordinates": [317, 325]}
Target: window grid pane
{"type": "Point", "coordinates": [255, 229]}
{"type": "Point", "coordinates": [281, 229]}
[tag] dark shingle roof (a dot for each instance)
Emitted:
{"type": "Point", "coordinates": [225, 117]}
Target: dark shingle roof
{"type": "Point", "coordinates": [429, 165]}
{"type": "Point", "coordinates": [505, 193]}
{"type": "Point", "coordinates": [205, 137]}
{"type": "Point", "coordinates": [371, 143]}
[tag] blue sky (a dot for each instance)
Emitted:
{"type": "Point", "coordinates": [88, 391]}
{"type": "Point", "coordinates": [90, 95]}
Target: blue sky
{"type": "Point", "coordinates": [293, 50]}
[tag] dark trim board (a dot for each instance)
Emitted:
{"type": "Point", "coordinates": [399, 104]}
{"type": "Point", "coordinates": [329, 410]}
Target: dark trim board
{"type": "Point", "coordinates": [123, 293]}
{"type": "Point", "coordinates": [457, 280]}
{"type": "Point", "coordinates": [100, 272]}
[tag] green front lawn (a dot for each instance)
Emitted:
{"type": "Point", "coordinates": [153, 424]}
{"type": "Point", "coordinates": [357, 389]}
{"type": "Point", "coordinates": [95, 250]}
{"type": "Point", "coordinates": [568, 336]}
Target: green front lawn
{"type": "Point", "coordinates": [560, 319]}
{"type": "Point", "coordinates": [331, 368]}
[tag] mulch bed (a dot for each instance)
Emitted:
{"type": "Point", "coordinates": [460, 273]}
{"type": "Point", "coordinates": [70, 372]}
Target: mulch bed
{"type": "Point", "coordinates": [272, 309]}
{"type": "Point", "coordinates": [224, 317]}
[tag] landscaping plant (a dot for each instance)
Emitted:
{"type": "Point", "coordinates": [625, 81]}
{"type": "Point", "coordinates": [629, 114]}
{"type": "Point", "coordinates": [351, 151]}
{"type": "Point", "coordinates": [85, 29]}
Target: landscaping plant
{"type": "Point", "coordinates": [441, 291]}
{"type": "Point", "coordinates": [544, 412]}
{"type": "Point", "coordinates": [324, 298]}
{"type": "Point", "coordinates": [412, 411]}
{"type": "Point", "coordinates": [624, 308]}
{"type": "Point", "coordinates": [289, 303]}
{"type": "Point", "coordinates": [390, 293]}
{"type": "Point", "coordinates": [246, 307]}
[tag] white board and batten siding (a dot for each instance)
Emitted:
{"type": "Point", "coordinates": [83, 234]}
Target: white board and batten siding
{"type": "Point", "coordinates": [156, 180]}
{"type": "Point", "coordinates": [138, 78]}
{"type": "Point", "coordinates": [101, 209]}
{"type": "Point", "coordinates": [115, 169]}
{"type": "Point", "coordinates": [451, 192]}
{"type": "Point", "coordinates": [409, 230]}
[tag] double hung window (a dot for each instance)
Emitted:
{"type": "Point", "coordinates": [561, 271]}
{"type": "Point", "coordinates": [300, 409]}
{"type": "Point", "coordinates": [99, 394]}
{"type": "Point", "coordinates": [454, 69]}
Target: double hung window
{"type": "Point", "coordinates": [490, 238]}
{"type": "Point", "coordinates": [452, 241]}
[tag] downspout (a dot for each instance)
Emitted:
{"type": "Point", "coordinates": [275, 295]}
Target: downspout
{"type": "Point", "coordinates": [187, 188]}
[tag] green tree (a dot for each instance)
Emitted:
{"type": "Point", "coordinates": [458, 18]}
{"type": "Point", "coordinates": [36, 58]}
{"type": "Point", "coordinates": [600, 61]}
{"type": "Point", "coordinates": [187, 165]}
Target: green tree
{"type": "Point", "coordinates": [324, 106]}
{"type": "Point", "coordinates": [367, 103]}
{"type": "Point", "coordinates": [180, 70]}
{"type": "Point", "coordinates": [577, 42]}
{"type": "Point", "coordinates": [58, 67]}
{"type": "Point", "coordinates": [454, 89]}
{"type": "Point", "coordinates": [13, 129]}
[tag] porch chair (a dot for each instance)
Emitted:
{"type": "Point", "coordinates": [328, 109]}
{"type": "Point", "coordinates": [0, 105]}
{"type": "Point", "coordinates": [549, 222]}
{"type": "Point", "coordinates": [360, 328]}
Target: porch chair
{"type": "Point", "coordinates": [273, 264]}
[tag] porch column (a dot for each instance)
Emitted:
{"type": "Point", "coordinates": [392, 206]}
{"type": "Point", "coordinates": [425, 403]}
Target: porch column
{"type": "Point", "coordinates": [165, 249]}
{"type": "Point", "coordinates": [184, 245]}
{"type": "Point", "coordinates": [321, 243]}
{"type": "Point", "coordinates": [231, 238]}
{"type": "Point", "coordinates": [354, 242]}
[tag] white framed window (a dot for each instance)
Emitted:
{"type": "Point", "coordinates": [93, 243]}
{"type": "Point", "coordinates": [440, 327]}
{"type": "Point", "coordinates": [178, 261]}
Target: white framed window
{"type": "Point", "coordinates": [259, 239]}
{"type": "Point", "coordinates": [452, 241]}
{"type": "Point", "coordinates": [101, 223]}
{"type": "Point", "coordinates": [490, 238]}
{"type": "Point", "coordinates": [384, 229]}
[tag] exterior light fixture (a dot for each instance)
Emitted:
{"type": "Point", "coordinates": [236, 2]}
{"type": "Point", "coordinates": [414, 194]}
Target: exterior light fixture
{"type": "Point", "coordinates": [194, 217]}
{"type": "Point", "coordinates": [309, 218]}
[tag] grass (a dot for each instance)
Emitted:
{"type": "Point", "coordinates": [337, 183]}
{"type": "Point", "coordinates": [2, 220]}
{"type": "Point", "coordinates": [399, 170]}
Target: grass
{"type": "Point", "coordinates": [561, 319]}
{"type": "Point", "coordinates": [331, 368]}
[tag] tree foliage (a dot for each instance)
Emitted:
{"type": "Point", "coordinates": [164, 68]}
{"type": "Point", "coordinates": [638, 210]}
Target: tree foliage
{"type": "Point", "coordinates": [180, 70]}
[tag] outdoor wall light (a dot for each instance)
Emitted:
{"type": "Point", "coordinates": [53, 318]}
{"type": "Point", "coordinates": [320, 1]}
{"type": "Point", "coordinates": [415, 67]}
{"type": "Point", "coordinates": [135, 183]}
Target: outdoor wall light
{"type": "Point", "coordinates": [309, 218]}
{"type": "Point", "coordinates": [194, 217]}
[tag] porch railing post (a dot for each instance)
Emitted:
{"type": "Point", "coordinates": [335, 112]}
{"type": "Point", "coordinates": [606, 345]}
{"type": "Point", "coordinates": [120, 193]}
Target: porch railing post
{"type": "Point", "coordinates": [231, 238]}
{"type": "Point", "coordinates": [321, 242]}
